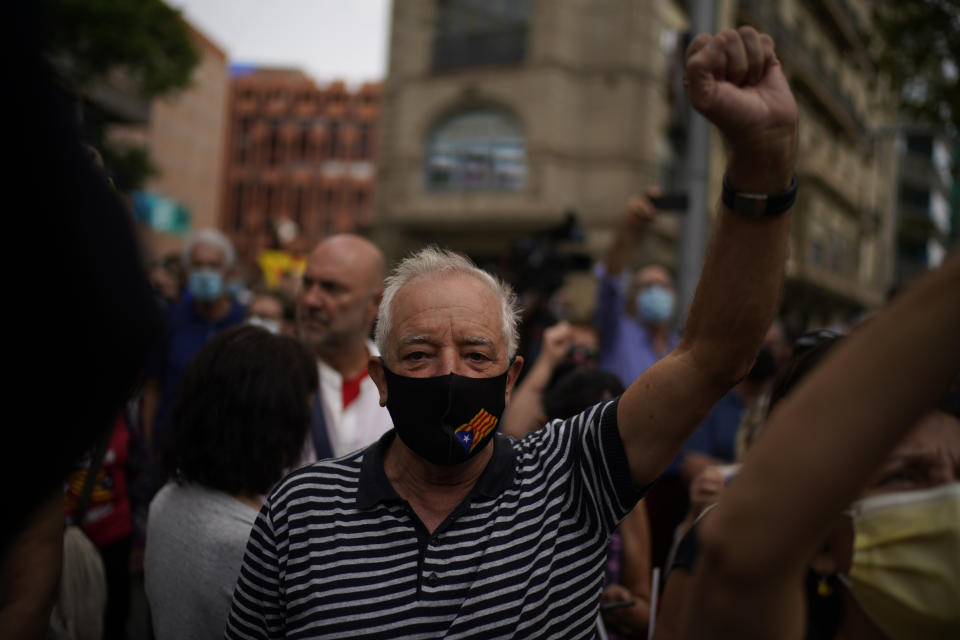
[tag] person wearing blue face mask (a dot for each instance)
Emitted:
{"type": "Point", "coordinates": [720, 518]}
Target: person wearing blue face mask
{"type": "Point", "coordinates": [633, 313]}
{"type": "Point", "coordinates": [205, 310]}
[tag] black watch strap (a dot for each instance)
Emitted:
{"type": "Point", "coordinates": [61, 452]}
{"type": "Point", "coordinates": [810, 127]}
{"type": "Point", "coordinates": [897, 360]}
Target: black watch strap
{"type": "Point", "coordinates": [759, 205]}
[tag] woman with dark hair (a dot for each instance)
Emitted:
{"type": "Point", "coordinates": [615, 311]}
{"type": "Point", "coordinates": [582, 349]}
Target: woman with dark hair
{"type": "Point", "coordinates": [239, 423]}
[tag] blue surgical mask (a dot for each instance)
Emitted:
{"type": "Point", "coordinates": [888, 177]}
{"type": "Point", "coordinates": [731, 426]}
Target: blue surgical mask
{"type": "Point", "coordinates": [205, 285]}
{"type": "Point", "coordinates": [655, 304]}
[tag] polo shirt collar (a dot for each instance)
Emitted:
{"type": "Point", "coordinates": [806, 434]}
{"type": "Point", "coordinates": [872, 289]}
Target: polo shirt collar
{"type": "Point", "coordinates": [374, 486]}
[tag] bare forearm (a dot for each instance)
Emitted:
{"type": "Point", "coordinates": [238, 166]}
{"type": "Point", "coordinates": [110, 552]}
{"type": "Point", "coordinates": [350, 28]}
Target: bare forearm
{"type": "Point", "coordinates": [618, 254]}
{"type": "Point", "coordinates": [738, 295]}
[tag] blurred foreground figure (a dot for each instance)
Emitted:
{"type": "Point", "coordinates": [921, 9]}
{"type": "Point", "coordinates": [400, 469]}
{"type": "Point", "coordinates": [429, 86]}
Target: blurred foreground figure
{"type": "Point", "coordinates": [797, 541]}
{"type": "Point", "coordinates": [336, 307]}
{"type": "Point", "coordinates": [444, 528]}
{"type": "Point", "coordinates": [89, 329]}
{"type": "Point", "coordinates": [238, 424]}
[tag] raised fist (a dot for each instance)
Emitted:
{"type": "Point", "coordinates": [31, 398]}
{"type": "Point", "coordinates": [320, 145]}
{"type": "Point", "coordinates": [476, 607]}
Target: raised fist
{"type": "Point", "coordinates": [734, 79]}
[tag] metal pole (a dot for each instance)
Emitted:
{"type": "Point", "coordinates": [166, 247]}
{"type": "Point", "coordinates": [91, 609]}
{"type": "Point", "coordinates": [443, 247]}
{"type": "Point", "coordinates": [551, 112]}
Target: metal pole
{"type": "Point", "coordinates": [697, 160]}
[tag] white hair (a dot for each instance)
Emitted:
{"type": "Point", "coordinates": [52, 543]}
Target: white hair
{"type": "Point", "coordinates": [211, 237]}
{"type": "Point", "coordinates": [434, 260]}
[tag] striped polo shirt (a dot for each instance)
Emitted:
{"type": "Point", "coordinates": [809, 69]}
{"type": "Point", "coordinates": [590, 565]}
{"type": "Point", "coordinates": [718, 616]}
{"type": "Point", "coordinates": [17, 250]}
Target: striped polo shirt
{"type": "Point", "coordinates": [337, 553]}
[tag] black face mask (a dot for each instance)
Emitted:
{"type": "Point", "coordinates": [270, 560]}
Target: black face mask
{"type": "Point", "coordinates": [447, 419]}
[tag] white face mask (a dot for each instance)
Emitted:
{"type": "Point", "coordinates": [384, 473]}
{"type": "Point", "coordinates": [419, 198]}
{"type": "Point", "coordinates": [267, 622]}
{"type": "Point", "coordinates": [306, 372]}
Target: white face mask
{"type": "Point", "coordinates": [273, 326]}
{"type": "Point", "coordinates": [906, 562]}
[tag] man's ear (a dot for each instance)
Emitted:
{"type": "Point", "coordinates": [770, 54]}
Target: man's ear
{"type": "Point", "coordinates": [512, 374]}
{"type": "Point", "coordinates": [375, 371]}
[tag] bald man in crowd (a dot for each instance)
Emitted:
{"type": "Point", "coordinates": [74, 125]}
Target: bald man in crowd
{"type": "Point", "coordinates": [336, 307]}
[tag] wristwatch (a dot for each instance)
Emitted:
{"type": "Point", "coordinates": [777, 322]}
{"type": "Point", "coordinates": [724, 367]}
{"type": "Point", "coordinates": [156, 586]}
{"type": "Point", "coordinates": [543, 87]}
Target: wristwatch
{"type": "Point", "coordinates": [759, 205]}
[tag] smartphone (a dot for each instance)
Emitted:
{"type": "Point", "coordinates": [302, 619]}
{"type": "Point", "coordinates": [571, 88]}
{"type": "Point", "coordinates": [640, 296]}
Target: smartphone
{"type": "Point", "coordinates": [611, 606]}
{"type": "Point", "coordinates": [671, 202]}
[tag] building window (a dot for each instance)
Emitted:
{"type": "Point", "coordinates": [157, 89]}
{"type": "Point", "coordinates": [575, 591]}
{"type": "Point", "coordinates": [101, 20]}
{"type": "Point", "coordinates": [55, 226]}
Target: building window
{"type": "Point", "coordinates": [474, 32]}
{"type": "Point", "coordinates": [304, 143]}
{"type": "Point", "coordinates": [333, 139]}
{"type": "Point", "coordinates": [476, 150]}
{"type": "Point", "coordinates": [274, 143]}
{"type": "Point", "coordinates": [271, 200]}
{"type": "Point", "coordinates": [239, 206]}
{"type": "Point", "coordinates": [363, 142]}
{"type": "Point", "coordinates": [298, 206]}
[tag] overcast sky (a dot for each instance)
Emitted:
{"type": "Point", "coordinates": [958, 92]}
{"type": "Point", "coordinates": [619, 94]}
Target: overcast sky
{"type": "Point", "coordinates": [328, 39]}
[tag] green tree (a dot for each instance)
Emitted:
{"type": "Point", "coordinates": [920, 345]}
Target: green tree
{"type": "Point", "coordinates": [919, 48]}
{"type": "Point", "coordinates": [146, 41]}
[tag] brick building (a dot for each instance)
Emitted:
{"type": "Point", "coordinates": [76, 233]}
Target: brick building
{"type": "Point", "coordinates": [301, 160]}
{"type": "Point", "coordinates": [184, 133]}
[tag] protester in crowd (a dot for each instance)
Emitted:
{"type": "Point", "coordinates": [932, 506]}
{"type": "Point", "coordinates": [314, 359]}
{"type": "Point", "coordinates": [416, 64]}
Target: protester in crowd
{"type": "Point", "coordinates": [565, 347]}
{"type": "Point", "coordinates": [266, 310]}
{"type": "Point", "coordinates": [92, 336]}
{"type": "Point", "coordinates": [336, 307]}
{"type": "Point", "coordinates": [445, 528]}
{"type": "Point", "coordinates": [106, 519]}
{"type": "Point", "coordinates": [633, 311]}
{"type": "Point", "coordinates": [238, 424]}
{"type": "Point", "coordinates": [888, 566]}
{"type": "Point", "coordinates": [206, 310]}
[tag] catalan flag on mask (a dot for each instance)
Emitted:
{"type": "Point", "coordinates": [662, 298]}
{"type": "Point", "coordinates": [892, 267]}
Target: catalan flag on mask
{"type": "Point", "coordinates": [473, 432]}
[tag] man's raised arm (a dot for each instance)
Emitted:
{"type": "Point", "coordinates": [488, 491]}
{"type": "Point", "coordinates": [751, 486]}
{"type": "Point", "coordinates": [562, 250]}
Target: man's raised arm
{"type": "Point", "coordinates": [734, 80]}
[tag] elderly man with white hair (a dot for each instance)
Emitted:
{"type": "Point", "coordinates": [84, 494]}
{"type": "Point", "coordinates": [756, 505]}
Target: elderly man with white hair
{"type": "Point", "coordinates": [205, 310]}
{"type": "Point", "coordinates": [445, 528]}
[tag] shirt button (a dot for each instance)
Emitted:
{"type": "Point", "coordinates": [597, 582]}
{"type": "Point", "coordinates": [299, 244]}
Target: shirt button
{"type": "Point", "coordinates": [432, 580]}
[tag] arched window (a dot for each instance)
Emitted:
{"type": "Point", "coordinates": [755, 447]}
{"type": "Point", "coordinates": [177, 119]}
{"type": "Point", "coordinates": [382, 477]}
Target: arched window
{"type": "Point", "coordinates": [481, 149]}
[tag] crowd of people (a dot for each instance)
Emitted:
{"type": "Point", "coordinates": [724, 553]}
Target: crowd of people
{"type": "Point", "coordinates": [365, 460]}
